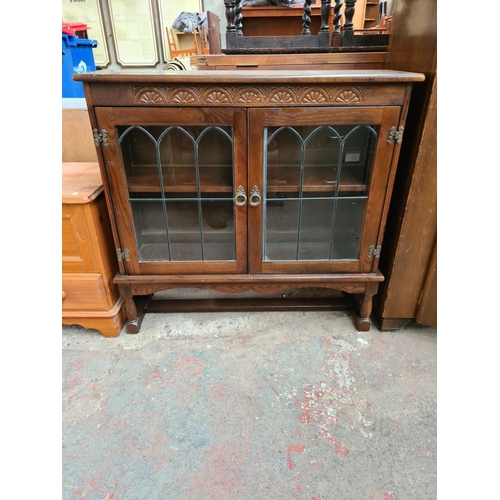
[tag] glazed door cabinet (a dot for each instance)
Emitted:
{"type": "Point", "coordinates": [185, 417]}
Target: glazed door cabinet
{"type": "Point", "coordinates": [175, 176]}
{"type": "Point", "coordinates": [236, 181]}
{"type": "Point", "coordinates": [323, 174]}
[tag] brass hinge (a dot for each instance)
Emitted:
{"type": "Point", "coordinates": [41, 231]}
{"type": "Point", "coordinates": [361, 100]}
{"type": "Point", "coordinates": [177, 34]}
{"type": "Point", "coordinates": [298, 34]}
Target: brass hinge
{"type": "Point", "coordinates": [100, 138]}
{"type": "Point", "coordinates": [125, 255]}
{"type": "Point", "coordinates": [395, 134]}
{"type": "Point", "coordinates": [374, 252]}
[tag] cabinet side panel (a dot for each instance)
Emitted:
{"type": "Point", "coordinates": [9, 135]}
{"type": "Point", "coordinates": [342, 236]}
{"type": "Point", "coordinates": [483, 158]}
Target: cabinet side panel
{"type": "Point", "coordinates": [427, 307]}
{"type": "Point", "coordinates": [409, 238]}
{"type": "Point", "coordinates": [418, 228]}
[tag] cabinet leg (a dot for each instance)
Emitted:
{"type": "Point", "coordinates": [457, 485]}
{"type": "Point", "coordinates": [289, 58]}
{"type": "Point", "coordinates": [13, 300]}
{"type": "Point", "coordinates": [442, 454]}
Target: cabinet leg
{"type": "Point", "coordinates": [363, 309]}
{"type": "Point", "coordinates": [135, 311]}
{"type": "Point", "coordinates": [363, 321]}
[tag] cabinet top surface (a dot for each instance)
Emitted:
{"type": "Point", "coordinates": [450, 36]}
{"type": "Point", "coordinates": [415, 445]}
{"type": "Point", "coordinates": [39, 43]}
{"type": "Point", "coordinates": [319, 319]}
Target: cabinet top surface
{"type": "Point", "coordinates": [81, 182]}
{"type": "Point", "coordinates": [252, 77]}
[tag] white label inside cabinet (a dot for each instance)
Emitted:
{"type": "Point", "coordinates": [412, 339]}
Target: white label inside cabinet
{"type": "Point", "coordinates": [352, 156]}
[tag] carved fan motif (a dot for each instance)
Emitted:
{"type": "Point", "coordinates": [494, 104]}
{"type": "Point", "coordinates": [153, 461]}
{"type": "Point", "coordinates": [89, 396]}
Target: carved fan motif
{"type": "Point", "coordinates": [149, 96]}
{"type": "Point", "coordinates": [183, 96]}
{"type": "Point", "coordinates": [217, 96]}
{"type": "Point", "coordinates": [282, 96]}
{"type": "Point", "coordinates": [315, 96]}
{"type": "Point", "coordinates": [348, 96]}
{"type": "Point", "coordinates": [249, 96]}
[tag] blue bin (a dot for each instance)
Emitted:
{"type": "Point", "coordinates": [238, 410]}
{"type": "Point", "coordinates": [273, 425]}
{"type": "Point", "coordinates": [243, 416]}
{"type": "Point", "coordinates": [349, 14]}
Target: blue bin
{"type": "Point", "coordinates": [77, 57]}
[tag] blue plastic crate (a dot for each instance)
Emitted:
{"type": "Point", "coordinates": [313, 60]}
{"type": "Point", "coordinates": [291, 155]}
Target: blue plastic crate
{"type": "Point", "coordinates": [77, 57]}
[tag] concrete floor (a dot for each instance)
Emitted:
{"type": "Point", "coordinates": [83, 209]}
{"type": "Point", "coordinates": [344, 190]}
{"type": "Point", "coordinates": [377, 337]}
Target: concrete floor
{"type": "Point", "coordinates": [240, 406]}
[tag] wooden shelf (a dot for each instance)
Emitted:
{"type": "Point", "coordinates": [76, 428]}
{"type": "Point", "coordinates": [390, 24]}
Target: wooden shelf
{"type": "Point", "coordinates": [322, 180]}
{"type": "Point", "coordinates": [180, 179]}
{"type": "Point", "coordinates": [218, 180]}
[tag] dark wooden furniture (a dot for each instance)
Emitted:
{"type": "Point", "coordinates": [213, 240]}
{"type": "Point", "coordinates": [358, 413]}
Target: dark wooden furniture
{"type": "Point", "coordinates": [89, 296]}
{"type": "Point", "coordinates": [409, 258]}
{"type": "Point", "coordinates": [251, 180]}
{"type": "Point", "coordinates": [291, 37]}
{"type": "Point", "coordinates": [280, 21]}
{"type": "Point", "coordinates": [266, 37]}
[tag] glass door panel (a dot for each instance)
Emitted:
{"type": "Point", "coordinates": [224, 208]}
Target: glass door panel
{"type": "Point", "coordinates": [180, 190]}
{"type": "Point", "coordinates": [316, 187]}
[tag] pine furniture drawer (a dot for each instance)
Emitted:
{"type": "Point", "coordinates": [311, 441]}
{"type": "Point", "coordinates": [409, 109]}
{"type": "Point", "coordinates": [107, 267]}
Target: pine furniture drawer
{"type": "Point", "coordinates": [84, 292]}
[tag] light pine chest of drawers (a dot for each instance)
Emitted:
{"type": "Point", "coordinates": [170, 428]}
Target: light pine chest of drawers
{"type": "Point", "coordinates": [89, 262]}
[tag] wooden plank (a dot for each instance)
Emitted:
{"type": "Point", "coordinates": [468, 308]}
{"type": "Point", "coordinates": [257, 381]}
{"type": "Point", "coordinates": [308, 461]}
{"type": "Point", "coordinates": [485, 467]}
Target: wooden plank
{"type": "Point", "coordinates": [261, 77]}
{"type": "Point", "coordinates": [289, 59]}
{"type": "Point", "coordinates": [296, 279]}
{"type": "Point", "coordinates": [241, 305]}
{"type": "Point", "coordinates": [412, 221]}
{"type": "Point", "coordinates": [427, 306]}
{"type": "Point", "coordinates": [418, 229]}
{"type": "Point", "coordinates": [214, 41]}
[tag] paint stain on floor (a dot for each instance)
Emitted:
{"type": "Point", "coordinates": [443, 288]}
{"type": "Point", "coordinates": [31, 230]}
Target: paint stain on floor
{"type": "Point", "coordinates": [296, 409]}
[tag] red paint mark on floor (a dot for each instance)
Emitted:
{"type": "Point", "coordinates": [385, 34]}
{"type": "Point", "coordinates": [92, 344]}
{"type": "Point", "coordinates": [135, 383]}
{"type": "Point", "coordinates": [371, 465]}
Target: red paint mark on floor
{"type": "Point", "coordinates": [294, 449]}
{"type": "Point", "coordinates": [317, 464]}
{"type": "Point", "coordinates": [388, 495]}
{"type": "Point", "coordinates": [339, 448]}
{"type": "Point", "coordinates": [95, 483]}
{"type": "Point", "coordinates": [223, 472]}
{"type": "Point", "coordinates": [298, 487]}
{"type": "Point", "coordinates": [305, 416]}
{"type": "Point", "coordinates": [219, 391]}
{"type": "Point", "coordinates": [190, 367]}
{"type": "Point", "coordinates": [299, 433]}
{"type": "Point", "coordinates": [315, 498]}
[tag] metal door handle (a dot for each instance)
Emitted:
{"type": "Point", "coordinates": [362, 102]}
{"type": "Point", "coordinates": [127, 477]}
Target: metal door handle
{"type": "Point", "coordinates": [240, 198]}
{"type": "Point", "coordinates": [255, 194]}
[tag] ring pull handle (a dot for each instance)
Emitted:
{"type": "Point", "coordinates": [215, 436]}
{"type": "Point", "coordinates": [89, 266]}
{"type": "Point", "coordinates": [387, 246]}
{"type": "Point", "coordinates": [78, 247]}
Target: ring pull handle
{"type": "Point", "coordinates": [255, 198]}
{"type": "Point", "coordinates": [240, 199]}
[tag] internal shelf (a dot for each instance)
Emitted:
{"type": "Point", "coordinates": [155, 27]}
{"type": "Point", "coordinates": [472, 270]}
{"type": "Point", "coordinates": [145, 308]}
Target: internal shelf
{"type": "Point", "coordinates": [219, 180]}
{"type": "Point", "coordinates": [213, 179]}
{"type": "Point", "coordinates": [316, 179]}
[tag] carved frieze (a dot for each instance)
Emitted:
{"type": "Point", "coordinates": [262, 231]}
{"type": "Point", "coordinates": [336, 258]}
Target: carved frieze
{"type": "Point", "coordinates": [305, 95]}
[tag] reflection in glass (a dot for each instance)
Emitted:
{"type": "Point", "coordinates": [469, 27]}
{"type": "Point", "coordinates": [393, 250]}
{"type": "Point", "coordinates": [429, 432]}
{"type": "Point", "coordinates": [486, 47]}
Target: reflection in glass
{"type": "Point", "coordinates": [180, 183]}
{"type": "Point", "coordinates": [316, 190]}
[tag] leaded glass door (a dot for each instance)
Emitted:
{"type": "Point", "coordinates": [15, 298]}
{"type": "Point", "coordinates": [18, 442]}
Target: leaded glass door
{"type": "Point", "coordinates": [179, 171]}
{"type": "Point", "coordinates": [318, 178]}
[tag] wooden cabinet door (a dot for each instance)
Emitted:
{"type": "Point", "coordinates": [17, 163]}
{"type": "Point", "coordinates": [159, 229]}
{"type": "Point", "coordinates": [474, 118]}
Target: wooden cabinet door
{"type": "Point", "coordinates": [174, 175]}
{"type": "Point", "coordinates": [317, 185]}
